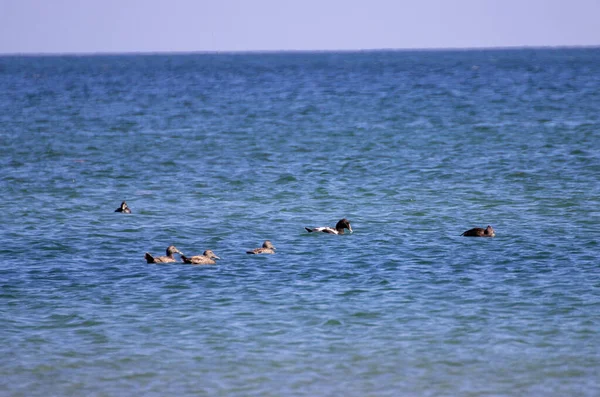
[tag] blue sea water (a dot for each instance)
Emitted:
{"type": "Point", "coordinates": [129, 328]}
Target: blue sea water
{"type": "Point", "coordinates": [223, 151]}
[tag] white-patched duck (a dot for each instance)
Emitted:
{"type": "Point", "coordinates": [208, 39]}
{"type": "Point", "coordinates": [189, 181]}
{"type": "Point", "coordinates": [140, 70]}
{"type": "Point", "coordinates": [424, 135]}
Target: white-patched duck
{"type": "Point", "coordinates": [339, 228]}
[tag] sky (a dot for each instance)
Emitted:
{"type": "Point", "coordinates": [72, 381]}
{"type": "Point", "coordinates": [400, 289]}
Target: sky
{"type": "Point", "coordinates": [116, 26]}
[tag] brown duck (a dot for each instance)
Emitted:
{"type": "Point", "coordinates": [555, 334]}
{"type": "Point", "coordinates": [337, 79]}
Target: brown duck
{"type": "Point", "coordinates": [123, 208]}
{"type": "Point", "coordinates": [171, 251]}
{"type": "Point", "coordinates": [480, 232]}
{"type": "Point", "coordinates": [339, 227]}
{"type": "Point", "coordinates": [267, 248]}
{"type": "Point", "coordinates": [207, 258]}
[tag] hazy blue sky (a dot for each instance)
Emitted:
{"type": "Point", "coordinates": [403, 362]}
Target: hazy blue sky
{"type": "Point", "coordinates": [50, 26]}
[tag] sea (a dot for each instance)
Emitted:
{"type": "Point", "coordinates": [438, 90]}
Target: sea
{"type": "Point", "coordinates": [223, 151]}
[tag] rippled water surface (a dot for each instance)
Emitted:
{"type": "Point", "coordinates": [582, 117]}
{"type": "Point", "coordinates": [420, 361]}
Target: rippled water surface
{"type": "Point", "coordinates": [224, 151]}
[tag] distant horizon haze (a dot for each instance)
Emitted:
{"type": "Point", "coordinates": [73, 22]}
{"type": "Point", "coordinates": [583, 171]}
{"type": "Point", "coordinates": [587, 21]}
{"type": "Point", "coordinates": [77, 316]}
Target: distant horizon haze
{"type": "Point", "coordinates": [158, 26]}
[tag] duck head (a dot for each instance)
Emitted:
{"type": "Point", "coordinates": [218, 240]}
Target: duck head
{"type": "Point", "coordinates": [210, 254]}
{"type": "Point", "coordinates": [343, 224]}
{"type": "Point", "coordinates": [171, 250]}
{"type": "Point", "coordinates": [267, 244]}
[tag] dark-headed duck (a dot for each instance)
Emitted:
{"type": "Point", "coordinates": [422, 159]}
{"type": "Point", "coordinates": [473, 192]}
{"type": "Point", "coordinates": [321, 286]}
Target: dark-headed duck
{"type": "Point", "coordinates": [207, 258]}
{"type": "Point", "coordinates": [171, 251]}
{"type": "Point", "coordinates": [267, 248]}
{"type": "Point", "coordinates": [480, 232]}
{"type": "Point", "coordinates": [339, 228]}
{"type": "Point", "coordinates": [123, 208]}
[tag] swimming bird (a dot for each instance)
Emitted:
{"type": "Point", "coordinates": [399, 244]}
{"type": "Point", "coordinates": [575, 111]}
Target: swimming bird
{"type": "Point", "coordinates": [480, 232]}
{"type": "Point", "coordinates": [339, 227]}
{"type": "Point", "coordinates": [207, 258]}
{"type": "Point", "coordinates": [171, 251]}
{"type": "Point", "coordinates": [267, 248]}
{"type": "Point", "coordinates": [123, 208]}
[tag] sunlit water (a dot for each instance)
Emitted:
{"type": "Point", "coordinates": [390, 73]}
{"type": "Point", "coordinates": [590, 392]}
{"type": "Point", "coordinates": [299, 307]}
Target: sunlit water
{"type": "Point", "coordinates": [224, 151]}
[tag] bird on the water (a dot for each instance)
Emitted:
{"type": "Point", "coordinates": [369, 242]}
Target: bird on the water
{"type": "Point", "coordinates": [267, 248]}
{"type": "Point", "coordinates": [124, 208]}
{"type": "Point", "coordinates": [207, 258]}
{"type": "Point", "coordinates": [480, 232]}
{"type": "Point", "coordinates": [339, 228]}
{"type": "Point", "coordinates": [170, 257]}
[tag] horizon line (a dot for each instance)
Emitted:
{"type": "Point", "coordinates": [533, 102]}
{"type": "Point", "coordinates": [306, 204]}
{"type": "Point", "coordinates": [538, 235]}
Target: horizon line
{"type": "Point", "coordinates": [296, 51]}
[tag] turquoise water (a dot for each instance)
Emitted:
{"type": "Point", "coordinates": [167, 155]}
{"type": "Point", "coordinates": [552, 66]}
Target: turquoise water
{"type": "Point", "coordinates": [224, 151]}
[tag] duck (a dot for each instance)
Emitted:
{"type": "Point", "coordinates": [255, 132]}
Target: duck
{"type": "Point", "coordinates": [480, 232]}
{"type": "Point", "coordinates": [171, 251]}
{"type": "Point", "coordinates": [123, 208]}
{"type": "Point", "coordinates": [267, 248]}
{"type": "Point", "coordinates": [207, 258]}
{"type": "Point", "coordinates": [339, 227]}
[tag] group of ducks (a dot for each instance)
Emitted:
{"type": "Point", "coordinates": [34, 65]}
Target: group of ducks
{"type": "Point", "coordinates": [208, 257]}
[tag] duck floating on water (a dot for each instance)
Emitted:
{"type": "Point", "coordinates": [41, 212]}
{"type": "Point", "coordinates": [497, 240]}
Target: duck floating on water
{"type": "Point", "coordinates": [207, 258]}
{"type": "Point", "coordinates": [123, 208]}
{"type": "Point", "coordinates": [171, 251]}
{"type": "Point", "coordinates": [267, 248]}
{"type": "Point", "coordinates": [339, 228]}
{"type": "Point", "coordinates": [480, 232]}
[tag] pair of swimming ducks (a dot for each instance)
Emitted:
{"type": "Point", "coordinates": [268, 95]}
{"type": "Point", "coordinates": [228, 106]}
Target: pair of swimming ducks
{"type": "Point", "coordinates": [345, 224]}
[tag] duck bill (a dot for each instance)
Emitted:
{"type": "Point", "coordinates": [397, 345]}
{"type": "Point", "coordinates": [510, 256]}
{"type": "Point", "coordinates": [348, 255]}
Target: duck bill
{"type": "Point", "coordinates": [350, 228]}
